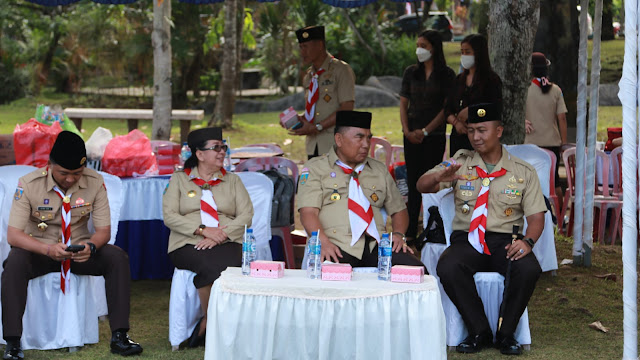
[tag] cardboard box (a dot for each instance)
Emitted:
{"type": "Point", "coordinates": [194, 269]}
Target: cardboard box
{"type": "Point", "coordinates": [267, 269]}
{"type": "Point", "coordinates": [407, 274]}
{"type": "Point", "coordinates": [336, 272]}
{"type": "Point", "coordinates": [289, 118]}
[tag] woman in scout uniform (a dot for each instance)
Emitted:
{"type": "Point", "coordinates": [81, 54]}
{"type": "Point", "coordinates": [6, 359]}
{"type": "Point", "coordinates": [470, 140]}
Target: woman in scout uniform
{"type": "Point", "coordinates": [342, 193]}
{"type": "Point", "coordinates": [330, 87]}
{"type": "Point", "coordinates": [206, 210]}
{"type": "Point", "coordinates": [425, 87]}
{"type": "Point", "coordinates": [493, 191]}
{"type": "Point", "coordinates": [478, 83]}
{"type": "Point", "coordinates": [50, 212]}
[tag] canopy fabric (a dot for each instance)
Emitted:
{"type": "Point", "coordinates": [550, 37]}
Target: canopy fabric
{"type": "Point", "coordinates": [119, 2]}
{"type": "Point", "coordinates": [353, 3]}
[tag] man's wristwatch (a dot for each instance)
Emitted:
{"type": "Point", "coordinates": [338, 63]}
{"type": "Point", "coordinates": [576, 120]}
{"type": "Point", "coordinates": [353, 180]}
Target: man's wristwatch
{"type": "Point", "coordinates": [404, 238]}
{"type": "Point", "coordinates": [201, 228]}
{"type": "Point", "coordinates": [425, 132]}
{"type": "Point", "coordinates": [529, 242]}
{"type": "Point", "coordinates": [93, 247]}
{"type": "Point", "coordinates": [319, 127]}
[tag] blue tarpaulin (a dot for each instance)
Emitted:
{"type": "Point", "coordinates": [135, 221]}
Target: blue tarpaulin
{"type": "Point", "coordinates": [336, 3]}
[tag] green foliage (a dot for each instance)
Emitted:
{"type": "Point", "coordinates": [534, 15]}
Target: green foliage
{"type": "Point", "coordinates": [480, 15]}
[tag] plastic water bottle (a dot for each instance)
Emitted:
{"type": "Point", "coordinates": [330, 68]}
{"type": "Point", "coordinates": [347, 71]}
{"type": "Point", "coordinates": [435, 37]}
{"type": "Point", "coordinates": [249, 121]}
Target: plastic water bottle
{"type": "Point", "coordinates": [384, 258]}
{"type": "Point", "coordinates": [227, 156]}
{"type": "Point", "coordinates": [185, 153]}
{"type": "Point", "coordinates": [314, 260]}
{"type": "Point", "coordinates": [248, 252]}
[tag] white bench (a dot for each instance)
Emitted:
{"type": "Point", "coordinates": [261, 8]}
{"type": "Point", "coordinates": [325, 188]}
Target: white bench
{"type": "Point", "coordinates": [133, 115]}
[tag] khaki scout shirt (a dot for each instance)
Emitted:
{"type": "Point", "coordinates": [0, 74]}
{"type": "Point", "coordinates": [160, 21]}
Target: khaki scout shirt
{"type": "Point", "coordinates": [543, 111]}
{"type": "Point", "coordinates": [511, 196]}
{"type": "Point", "coordinates": [181, 207]}
{"type": "Point", "coordinates": [321, 177]}
{"type": "Point", "coordinates": [36, 202]}
{"type": "Point", "coordinates": [335, 86]}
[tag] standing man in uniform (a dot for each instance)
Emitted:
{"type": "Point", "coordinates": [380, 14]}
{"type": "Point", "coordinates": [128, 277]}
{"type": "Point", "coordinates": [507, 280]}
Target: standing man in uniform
{"type": "Point", "coordinates": [343, 193]}
{"type": "Point", "coordinates": [493, 191]}
{"type": "Point", "coordinates": [329, 87]}
{"type": "Point", "coordinates": [50, 212]}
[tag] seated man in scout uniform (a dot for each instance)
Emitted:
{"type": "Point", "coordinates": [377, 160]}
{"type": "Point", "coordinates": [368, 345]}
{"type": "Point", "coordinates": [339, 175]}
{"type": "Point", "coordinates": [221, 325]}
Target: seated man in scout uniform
{"type": "Point", "coordinates": [494, 191]}
{"type": "Point", "coordinates": [330, 86]}
{"type": "Point", "coordinates": [343, 193]}
{"type": "Point", "coordinates": [50, 212]}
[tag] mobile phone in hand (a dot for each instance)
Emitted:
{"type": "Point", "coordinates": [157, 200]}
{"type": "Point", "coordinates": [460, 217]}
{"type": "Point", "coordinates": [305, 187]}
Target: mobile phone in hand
{"type": "Point", "coordinates": [74, 248]}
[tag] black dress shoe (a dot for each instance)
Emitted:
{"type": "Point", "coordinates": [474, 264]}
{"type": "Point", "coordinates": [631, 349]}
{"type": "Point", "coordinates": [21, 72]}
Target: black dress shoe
{"type": "Point", "coordinates": [475, 343]}
{"type": "Point", "coordinates": [197, 340]}
{"type": "Point", "coordinates": [13, 351]}
{"type": "Point", "coordinates": [121, 344]}
{"type": "Point", "coordinates": [509, 346]}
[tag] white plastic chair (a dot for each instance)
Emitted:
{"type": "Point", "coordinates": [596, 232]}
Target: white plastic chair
{"type": "Point", "coordinates": [184, 303]}
{"type": "Point", "coordinates": [75, 321]}
{"type": "Point", "coordinates": [114, 194]}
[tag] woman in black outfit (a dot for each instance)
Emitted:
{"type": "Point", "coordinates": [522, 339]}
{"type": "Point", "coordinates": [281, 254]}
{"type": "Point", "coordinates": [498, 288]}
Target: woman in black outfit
{"type": "Point", "coordinates": [425, 86]}
{"type": "Point", "coordinates": [478, 83]}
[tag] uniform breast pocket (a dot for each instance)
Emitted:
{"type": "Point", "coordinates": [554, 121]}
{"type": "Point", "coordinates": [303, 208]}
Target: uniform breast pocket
{"type": "Point", "coordinates": [43, 215]}
{"type": "Point", "coordinates": [508, 206]}
{"type": "Point", "coordinates": [334, 192]}
{"type": "Point", "coordinates": [81, 211]}
{"type": "Point", "coordinates": [374, 194]}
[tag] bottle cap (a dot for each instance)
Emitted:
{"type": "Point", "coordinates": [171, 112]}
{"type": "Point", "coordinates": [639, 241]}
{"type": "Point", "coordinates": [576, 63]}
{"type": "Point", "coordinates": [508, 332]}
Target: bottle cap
{"type": "Point", "coordinates": [314, 233]}
{"type": "Point", "coordinates": [385, 235]}
{"type": "Point", "coordinates": [249, 231]}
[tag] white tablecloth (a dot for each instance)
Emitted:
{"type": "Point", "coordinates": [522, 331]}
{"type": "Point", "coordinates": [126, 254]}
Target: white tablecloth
{"type": "Point", "coordinates": [297, 318]}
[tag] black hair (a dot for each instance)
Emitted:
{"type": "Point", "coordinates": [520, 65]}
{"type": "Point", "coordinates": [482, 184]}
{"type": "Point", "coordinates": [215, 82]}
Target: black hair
{"type": "Point", "coordinates": [480, 48]}
{"type": "Point", "coordinates": [192, 161]}
{"type": "Point", "coordinates": [542, 72]}
{"type": "Point", "coordinates": [439, 62]}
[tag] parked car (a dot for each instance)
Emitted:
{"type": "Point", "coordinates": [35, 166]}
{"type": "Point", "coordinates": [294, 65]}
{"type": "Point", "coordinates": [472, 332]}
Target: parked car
{"type": "Point", "coordinates": [436, 20]}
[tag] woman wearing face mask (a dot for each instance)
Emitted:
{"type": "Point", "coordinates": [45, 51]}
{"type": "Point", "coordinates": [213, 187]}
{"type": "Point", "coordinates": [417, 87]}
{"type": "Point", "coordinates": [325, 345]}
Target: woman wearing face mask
{"type": "Point", "coordinates": [425, 86]}
{"type": "Point", "coordinates": [478, 83]}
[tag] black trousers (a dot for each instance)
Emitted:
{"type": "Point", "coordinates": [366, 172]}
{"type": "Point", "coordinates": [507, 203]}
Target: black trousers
{"type": "Point", "coordinates": [370, 259]}
{"type": "Point", "coordinates": [21, 266]}
{"type": "Point", "coordinates": [420, 158]}
{"type": "Point", "coordinates": [315, 154]}
{"type": "Point", "coordinates": [457, 142]}
{"type": "Point", "coordinates": [461, 261]}
{"type": "Point", "coordinates": [207, 264]}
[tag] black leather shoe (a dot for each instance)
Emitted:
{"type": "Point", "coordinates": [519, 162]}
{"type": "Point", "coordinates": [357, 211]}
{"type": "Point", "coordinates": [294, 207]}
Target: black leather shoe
{"type": "Point", "coordinates": [509, 346]}
{"type": "Point", "coordinates": [197, 340]}
{"type": "Point", "coordinates": [13, 351]}
{"type": "Point", "coordinates": [475, 343]}
{"type": "Point", "coordinates": [121, 344]}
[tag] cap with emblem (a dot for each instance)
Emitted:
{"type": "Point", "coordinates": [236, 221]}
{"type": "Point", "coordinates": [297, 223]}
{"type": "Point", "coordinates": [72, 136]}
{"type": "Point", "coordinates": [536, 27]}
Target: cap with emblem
{"type": "Point", "coordinates": [310, 33]}
{"type": "Point", "coordinates": [484, 112]}
{"type": "Point", "coordinates": [359, 119]}
{"type": "Point", "coordinates": [69, 151]}
{"type": "Point", "coordinates": [198, 137]}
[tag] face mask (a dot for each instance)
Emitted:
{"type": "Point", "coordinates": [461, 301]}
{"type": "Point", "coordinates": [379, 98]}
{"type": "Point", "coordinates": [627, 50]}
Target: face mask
{"type": "Point", "coordinates": [467, 61]}
{"type": "Point", "coordinates": [423, 54]}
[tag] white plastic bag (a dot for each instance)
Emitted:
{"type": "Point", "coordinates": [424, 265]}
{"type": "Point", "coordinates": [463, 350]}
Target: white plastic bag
{"type": "Point", "coordinates": [98, 142]}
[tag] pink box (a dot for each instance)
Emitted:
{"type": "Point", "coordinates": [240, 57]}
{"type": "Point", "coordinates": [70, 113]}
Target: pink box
{"type": "Point", "coordinates": [407, 274]}
{"type": "Point", "coordinates": [289, 118]}
{"type": "Point", "coordinates": [267, 269]}
{"type": "Point", "coordinates": [336, 272]}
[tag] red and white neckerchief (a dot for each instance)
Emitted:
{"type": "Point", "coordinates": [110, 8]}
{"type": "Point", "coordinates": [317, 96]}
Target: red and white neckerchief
{"type": "Point", "coordinates": [360, 211]}
{"type": "Point", "coordinates": [312, 96]}
{"type": "Point", "coordinates": [479, 217]}
{"type": "Point", "coordinates": [65, 265]}
{"type": "Point", "coordinates": [543, 81]}
{"type": "Point", "coordinates": [208, 207]}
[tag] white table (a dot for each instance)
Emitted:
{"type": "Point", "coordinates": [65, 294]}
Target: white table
{"type": "Point", "coordinates": [297, 318]}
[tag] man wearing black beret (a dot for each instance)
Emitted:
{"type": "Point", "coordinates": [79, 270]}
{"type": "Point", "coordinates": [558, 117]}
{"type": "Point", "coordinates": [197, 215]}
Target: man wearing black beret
{"type": "Point", "coordinates": [344, 193]}
{"type": "Point", "coordinates": [329, 87]}
{"type": "Point", "coordinates": [493, 191]}
{"type": "Point", "coordinates": [50, 212]}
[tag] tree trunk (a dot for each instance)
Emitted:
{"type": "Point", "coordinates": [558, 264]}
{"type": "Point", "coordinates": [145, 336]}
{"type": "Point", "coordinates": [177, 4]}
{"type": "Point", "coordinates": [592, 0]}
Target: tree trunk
{"type": "Point", "coordinates": [557, 38]}
{"type": "Point", "coordinates": [607, 20]}
{"type": "Point", "coordinates": [512, 28]}
{"type": "Point", "coordinates": [161, 43]}
{"type": "Point", "coordinates": [239, 29]}
{"type": "Point", "coordinates": [223, 113]}
{"type": "Point", "coordinates": [42, 74]}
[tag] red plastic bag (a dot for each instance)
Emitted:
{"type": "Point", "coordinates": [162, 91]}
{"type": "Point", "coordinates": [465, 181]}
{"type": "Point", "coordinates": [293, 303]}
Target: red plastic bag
{"type": "Point", "coordinates": [129, 155]}
{"type": "Point", "coordinates": [32, 142]}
